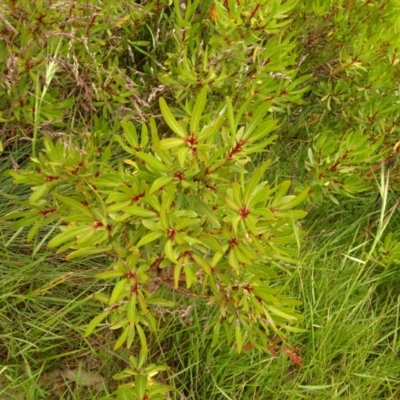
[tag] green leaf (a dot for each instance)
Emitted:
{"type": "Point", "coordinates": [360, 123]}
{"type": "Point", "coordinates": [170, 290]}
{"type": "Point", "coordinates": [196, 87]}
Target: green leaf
{"type": "Point", "coordinates": [131, 334]}
{"type": "Point", "coordinates": [190, 275]}
{"type": "Point", "coordinates": [130, 134]}
{"type": "Point", "coordinates": [210, 242]}
{"type": "Point", "coordinates": [215, 338]}
{"type": "Point", "coordinates": [263, 130]}
{"type": "Point", "coordinates": [102, 204]}
{"type": "Point", "coordinates": [69, 235]}
{"type": "Point", "coordinates": [153, 162]}
{"type": "Point", "coordinates": [125, 393]}
{"type": "Point", "coordinates": [265, 212]}
{"type": "Point", "coordinates": [233, 262]}
{"type": "Point", "coordinates": [149, 238]}
{"type": "Point", "coordinates": [159, 183]}
{"type": "Point", "coordinates": [140, 385]}
{"type": "Point", "coordinates": [35, 229]}
{"type": "Point", "coordinates": [28, 220]}
{"type": "Point", "coordinates": [153, 202]}
{"type": "Point", "coordinates": [169, 252]}
{"type": "Point", "coordinates": [290, 202]}
{"type": "Point", "coordinates": [261, 146]}
{"type": "Point", "coordinates": [238, 338]}
{"type": "Point", "coordinates": [120, 290]}
{"type": "Point", "coordinates": [210, 130]}
{"type": "Point", "coordinates": [119, 206]}
{"type": "Point", "coordinates": [144, 136]}
{"type": "Point", "coordinates": [151, 226]}
{"type": "Point", "coordinates": [282, 314]}
{"type": "Point", "coordinates": [231, 117]}
{"type": "Point", "coordinates": [122, 143]}
{"type": "Point", "coordinates": [240, 256]}
{"type": "Point", "coordinates": [131, 311]}
{"type": "Point", "coordinates": [170, 143]}
{"type": "Point", "coordinates": [252, 183]}
{"type": "Point", "coordinates": [182, 155]}
{"type": "Point", "coordinates": [281, 190]}
{"type": "Point", "coordinates": [109, 274]}
{"type": "Point", "coordinates": [157, 301]}
{"type": "Point", "coordinates": [231, 204]}
{"type": "Point", "coordinates": [144, 351]}
{"type": "Point", "coordinates": [203, 263]}
{"type": "Point", "coordinates": [122, 339]}
{"type": "Point", "coordinates": [204, 209]}
{"type": "Point", "coordinates": [39, 192]}
{"type": "Point", "coordinates": [294, 329]}
{"type": "Point", "coordinates": [261, 110]}
{"type": "Point", "coordinates": [237, 193]}
{"type": "Point", "coordinates": [177, 271]}
{"type": "Point", "coordinates": [95, 322]}
{"type": "Point", "coordinates": [291, 214]}
{"type": "Point", "coordinates": [99, 236]}
{"type": "Point", "coordinates": [74, 204]}
{"type": "Point", "coordinates": [198, 110]}
{"type": "Point", "coordinates": [170, 119]}
{"type": "Point", "coordinates": [264, 293]}
{"type": "Point", "coordinates": [139, 211]}
{"type": "Point", "coordinates": [87, 252]}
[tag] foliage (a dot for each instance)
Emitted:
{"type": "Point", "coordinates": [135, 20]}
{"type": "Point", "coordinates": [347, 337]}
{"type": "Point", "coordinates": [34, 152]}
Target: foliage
{"type": "Point", "coordinates": [67, 66]}
{"type": "Point", "coordinates": [184, 208]}
{"type": "Point", "coordinates": [193, 204]}
{"type": "Point", "coordinates": [351, 49]}
{"type": "Point", "coordinates": [242, 48]}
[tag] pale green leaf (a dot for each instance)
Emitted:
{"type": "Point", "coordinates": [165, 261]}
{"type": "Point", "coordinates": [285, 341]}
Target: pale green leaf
{"type": "Point", "coordinates": [170, 143]}
{"type": "Point", "coordinates": [159, 183]}
{"type": "Point", "coordinates": [95, 322]}
{"type": "Point", "coordinates": [149, 238]}
{"type": "Point", "coordinates": [170, 119]}
{"type": "Point", "coordinates": [198, 110]}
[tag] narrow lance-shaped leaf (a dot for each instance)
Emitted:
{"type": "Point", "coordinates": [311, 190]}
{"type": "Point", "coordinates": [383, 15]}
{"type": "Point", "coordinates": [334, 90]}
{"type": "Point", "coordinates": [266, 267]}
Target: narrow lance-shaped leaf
{"type": "Point", "coordinates": [170, 120]}
{"type": "Point", "coordinates": [238, 338]}
{"type": "Point", "coordinates": [69, 235]}
{"type": "Point", "coordinates": [256, 119]}
{"type": "Point", "coordinates": [169, 252]}
{"type": "Point", "coordinates": [153, 162]}
{"type": "Point", "coordinates": [143, 344]}
{"type": "Point", "coordinates": [263, 130]}
{"type": "Point", "coordinates": [198, 111]}
{"type": "Point", "coordinates": [282, 314]}
{"type": "Point", "coordinates": [294, 201]}
{"type": "Point", "coordinates": [252, 183]}
{"type": "Point", "coordinates": [87, 252]}
{"type": "Point", "coordinates": [95, 322]}
{"type": "Point", "coordinates": [74, 204]}
{"type": "Point", "coordinates": [130, 133]}
{"type": "Point", "coordinates": [39, 192]}
{"type": "Point", "coordinates": [122, 339]}
{"type": "Point", "coordinates": [140, 386]}
{"type": "Point", "coordinates": [109, 274]}
{"type": "Point", "coordinates": [132, 310]}
{"type": "Point", "coordinates": [119, 291]}
{"type": "Point", "coordinates": [139, 211]}
{"type": "Point", "coordinates": [159, 183]}
{"type": "Point", "coordinates": [170, 143]}
{"type": "Point", "coordinates": [149, 238]}
{"type": "Point", "coordinates": [145, 136]}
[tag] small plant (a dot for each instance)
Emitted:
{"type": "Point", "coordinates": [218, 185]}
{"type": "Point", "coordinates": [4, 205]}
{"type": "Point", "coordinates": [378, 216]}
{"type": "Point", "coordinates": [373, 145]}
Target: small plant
{"type": "Point", "coordinates": [189, 211]}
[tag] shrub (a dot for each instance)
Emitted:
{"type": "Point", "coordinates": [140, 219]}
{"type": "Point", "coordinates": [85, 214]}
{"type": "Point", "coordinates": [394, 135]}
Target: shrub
{"type": "Point", "coordinates": [188, 210]}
